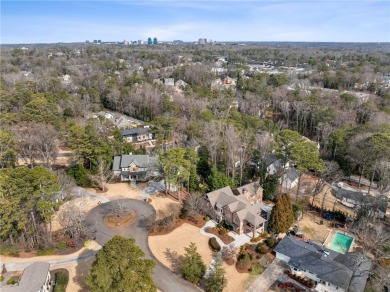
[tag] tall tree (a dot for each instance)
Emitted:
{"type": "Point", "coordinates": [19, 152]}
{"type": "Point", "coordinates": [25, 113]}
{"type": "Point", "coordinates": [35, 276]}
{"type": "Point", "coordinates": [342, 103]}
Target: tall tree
{"type": "Point", "coordinates": [27, 199]}
{"type": "Point", "coordinates": [193, 267]}
{"type": "Point", "coordinates": [217, 180]}
{"type": "Point", "coordinates": [282, 216]}
{"type": "Point", "coordinates": [216, 281]}
{"type": "Point", "coordinates": [177, 164]}
{"type": "Point", "coordinates": [8, 149]}
{"type": "Point", "coordinates": [120, 266]}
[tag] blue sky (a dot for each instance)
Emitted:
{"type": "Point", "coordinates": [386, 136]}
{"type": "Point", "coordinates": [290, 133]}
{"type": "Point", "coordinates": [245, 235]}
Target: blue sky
{"type": "Point", "coordinates": [276, 20]}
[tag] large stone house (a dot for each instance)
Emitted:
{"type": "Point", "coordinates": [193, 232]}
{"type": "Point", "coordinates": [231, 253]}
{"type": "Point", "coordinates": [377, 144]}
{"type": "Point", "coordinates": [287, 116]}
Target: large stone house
{"type": "Point", "coordinates": [332, 271]}
{"type": "Point", "coordinates": [35, 278]}
{"type": "Point", "coordinates": [242, 208]}
{"type": "Point", "coordinates": [134, 167]}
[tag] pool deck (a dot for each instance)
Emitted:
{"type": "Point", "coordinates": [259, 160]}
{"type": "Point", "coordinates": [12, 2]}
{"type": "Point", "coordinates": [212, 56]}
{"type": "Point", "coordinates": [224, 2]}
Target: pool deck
{"type": "Point", "coordinates": [332, 234]}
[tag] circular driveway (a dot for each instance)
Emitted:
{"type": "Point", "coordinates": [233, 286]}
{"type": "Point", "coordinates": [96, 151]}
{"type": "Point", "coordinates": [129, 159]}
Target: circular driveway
{"type": "Point", "coordinates": [164, 278]}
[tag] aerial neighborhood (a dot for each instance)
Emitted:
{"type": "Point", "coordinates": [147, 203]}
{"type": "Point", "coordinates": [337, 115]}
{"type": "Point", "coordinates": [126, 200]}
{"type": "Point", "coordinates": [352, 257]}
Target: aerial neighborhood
{"type": "Point", "coordinates": [187, 166]}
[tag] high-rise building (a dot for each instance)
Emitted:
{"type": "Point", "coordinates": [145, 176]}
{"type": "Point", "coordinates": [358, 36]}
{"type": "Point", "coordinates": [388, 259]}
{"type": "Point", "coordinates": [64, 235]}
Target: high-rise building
{"type": "Point", "coordinates": [149, 40]}
{"type": "Point", "coordinates": [155, 41]}
{"type": "Point", "coordinates": [141, 42]}
{"type": "Point", "coordinates": [202, 41]}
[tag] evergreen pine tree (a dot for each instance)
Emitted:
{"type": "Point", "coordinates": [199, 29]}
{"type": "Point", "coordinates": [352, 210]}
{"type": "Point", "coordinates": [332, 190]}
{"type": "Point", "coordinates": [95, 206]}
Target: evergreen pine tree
{"type": "Point", "coordinates": [193, 267]}
{"type": "Point", "coordinates": [216, 280]}
{"type": "Point", "coordinates": [119, 266]}
{"type": "Point", "coordinates": [282, 216]}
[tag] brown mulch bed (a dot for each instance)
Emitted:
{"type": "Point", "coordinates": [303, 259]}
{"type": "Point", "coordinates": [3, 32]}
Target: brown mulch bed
{"type": "Point", "coordinates": [255, 258]}
{"type": "Point", "coordinates": [196, 220]}
{"type": "Point", "coordinates": [120, 222]}
{"type": "Point", "coordinates": [226, 239]}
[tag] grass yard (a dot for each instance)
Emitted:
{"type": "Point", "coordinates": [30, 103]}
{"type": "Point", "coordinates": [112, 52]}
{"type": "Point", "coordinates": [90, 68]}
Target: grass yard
{"type": "Point", "coordinates": [169, 248]}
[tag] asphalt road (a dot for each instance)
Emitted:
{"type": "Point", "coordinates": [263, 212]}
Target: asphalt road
{"type": "Point", "coordinates": [164, 278]}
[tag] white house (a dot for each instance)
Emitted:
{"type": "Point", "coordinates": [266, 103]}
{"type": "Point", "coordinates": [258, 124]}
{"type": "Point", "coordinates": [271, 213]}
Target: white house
{"type": "Point", "coordinates": [35, 278]}
{"type": "Point", "coordinates": [290, 178]}
{"type": "Point", "coordinates": [331, 271]}
{"type": "Point", "coordinates": [274, 164]}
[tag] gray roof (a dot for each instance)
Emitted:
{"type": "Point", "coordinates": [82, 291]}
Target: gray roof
{"type": "Point", "coordinates": [362, 199]}
{"type": "Point", "coordinates": [270, 158]}
{"type": "Point", "coordinates": [292, 174]}
{"type": "Point", "coordinates": [135, 131]}
{"type": "Point", "coordinates": [330, 266]}
{"type": "Point", "coordinates": [33, 278]}
{"type": "Point", "coordinates": [126, 159]}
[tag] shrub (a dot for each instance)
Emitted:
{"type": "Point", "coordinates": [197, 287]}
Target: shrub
{"type": "Point", "coordinates": [12, 281]}
{"type": "Point", "coordinates": [255, 239]}
{"type": "Point", "coordinates": [61, 282]}
{"type": "Point", "coordinates": [214, 244]}
{"type": "Point", "coordinates": [9, 251]}
{"type": "Point", "coordinates": [244, 262]}
{"type": "Point", "coordinates": [222, 231]}
{"type": "Point", "coordinates": [264, 234]}
{"type": "Point", "coordinates": [257, 269]}
{"type": "Point", "coordinates": [261, 248]}
{"type": "Point", "coordinates": [80, 175]}
{"type": "Point", "coordinates": [87, 243]}
{"type": "Point", "coordinates": [1, 278]}
{"type": "Point", "coordinates": [61, 245]}
{"type": "Point", "coordinates": [270, 242]}
{"type": "Point", "coordinates": [183, 214]}
{"type": "Point", "coordinates": [206, 218]}
{"type": "Point", "coordinates": [61, 278]}
{"type": "Point", "coordinates": [45, 251]}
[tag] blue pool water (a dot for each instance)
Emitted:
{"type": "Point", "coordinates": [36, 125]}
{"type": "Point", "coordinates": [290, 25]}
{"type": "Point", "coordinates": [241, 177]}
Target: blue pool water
{"type": "Point", "coordinates": [341, 243]}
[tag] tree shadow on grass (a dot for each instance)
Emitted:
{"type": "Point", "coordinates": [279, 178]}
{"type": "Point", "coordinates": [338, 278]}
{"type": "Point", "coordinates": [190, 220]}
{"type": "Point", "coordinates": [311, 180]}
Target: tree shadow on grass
{"type": "Point", "coordinates": [175, 260]}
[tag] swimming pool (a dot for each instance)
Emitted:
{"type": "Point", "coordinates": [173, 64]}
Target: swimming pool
{"type": "Point", "coordinates": [341, 243]}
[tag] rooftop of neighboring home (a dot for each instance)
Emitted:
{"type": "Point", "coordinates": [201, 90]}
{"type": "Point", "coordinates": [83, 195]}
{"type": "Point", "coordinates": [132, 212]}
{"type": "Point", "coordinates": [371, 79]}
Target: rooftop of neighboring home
{"type": "Point", "coordinates": [348, 270]}
{"type": "Point", "coordinates": [361, 198]}
{"type": "Point", "coordinates": [33, 278]}
{"type": "Point", "coordinates": [270, 158]}
{"type": "Point", "coordinates": [245, 201]}
{"type": "Point", "coordinates": [135, 131]}
{"type": "Point", "coordinates": [123, 161]}
{"type": "Point", "coordinates": [292, 174]}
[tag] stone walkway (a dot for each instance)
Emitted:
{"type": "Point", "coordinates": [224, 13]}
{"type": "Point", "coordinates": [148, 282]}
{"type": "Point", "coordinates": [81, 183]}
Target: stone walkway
{"type": "Point", "coordinates": [270, 275]}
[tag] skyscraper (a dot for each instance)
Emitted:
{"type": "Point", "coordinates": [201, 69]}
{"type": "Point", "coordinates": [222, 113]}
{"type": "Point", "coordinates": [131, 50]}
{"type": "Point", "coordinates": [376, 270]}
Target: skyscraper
{"type": "Point", "coordinates": [155, 41]}
{"type": "Point", "coordinates": [149, 40]}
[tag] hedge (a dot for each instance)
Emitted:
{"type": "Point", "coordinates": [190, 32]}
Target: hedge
{"type": "Point", "coordinates": [214, 244]}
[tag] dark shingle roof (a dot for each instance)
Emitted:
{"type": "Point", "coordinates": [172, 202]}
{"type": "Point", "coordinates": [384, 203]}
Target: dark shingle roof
{"type": "Point", "coordinates": [126, 160]}
{"type": "Point", "coordinates": [292, 174]}
{"type": "Point", "coordinates": [330, 266]}
{"type": "Point", "coordinates": [270, 158]}
{"type": "Point", "coordinates": [362, 199]}
{"type": "Point", "coordinates": [134, 131]}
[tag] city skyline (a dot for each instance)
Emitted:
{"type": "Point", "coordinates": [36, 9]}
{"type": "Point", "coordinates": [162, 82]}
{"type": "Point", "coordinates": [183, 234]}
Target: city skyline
{"type": "Point", "coordinates": [71, 21]}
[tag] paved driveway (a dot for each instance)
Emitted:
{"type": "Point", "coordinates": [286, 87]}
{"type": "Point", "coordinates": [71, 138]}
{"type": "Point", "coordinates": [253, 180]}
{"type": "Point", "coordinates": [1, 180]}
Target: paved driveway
{"type": "Point", "coordinates": [270, 275]}
{"type": "Point", "coordinates": [164, 278]}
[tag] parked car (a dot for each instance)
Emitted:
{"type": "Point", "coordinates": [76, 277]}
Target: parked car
{"type": "Point", "coordinates": [328, 216]}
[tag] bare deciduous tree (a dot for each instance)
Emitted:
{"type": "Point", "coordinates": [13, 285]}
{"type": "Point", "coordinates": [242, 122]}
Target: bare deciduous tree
{"type": "Point", "coordinates": [73, 221]}
{"type": "Point", "coordinates": [103, 174]}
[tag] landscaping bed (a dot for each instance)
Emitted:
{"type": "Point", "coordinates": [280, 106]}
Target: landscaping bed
{"type": "Point", "coordinates": [195, 220]}
{"type": "Point", "coordinates": [226, 238]}
{"type": "Point", "coordinates": [249, 261]}
{"type": "Point", "coordinates": [61, 279]}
